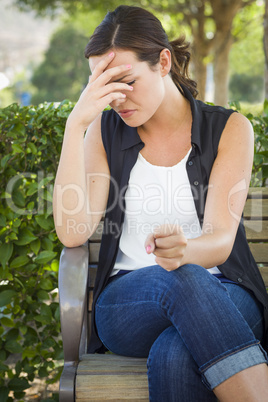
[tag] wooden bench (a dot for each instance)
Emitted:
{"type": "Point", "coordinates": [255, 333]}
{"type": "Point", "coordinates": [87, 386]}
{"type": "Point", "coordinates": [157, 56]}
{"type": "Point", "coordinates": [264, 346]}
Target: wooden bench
{"type": "Point", "coordinates": [110, 377]}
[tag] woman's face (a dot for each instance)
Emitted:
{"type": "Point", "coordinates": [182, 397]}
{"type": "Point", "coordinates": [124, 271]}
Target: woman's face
{"type": "Point", "coordinates": [142, 103]}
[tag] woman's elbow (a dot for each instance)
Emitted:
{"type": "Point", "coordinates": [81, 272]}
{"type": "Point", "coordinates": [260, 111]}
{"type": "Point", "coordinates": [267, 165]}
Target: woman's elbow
{"type": "Point", "coordinates": [71, 241]}
{"type": "Point", "coordinates": [226, 247]}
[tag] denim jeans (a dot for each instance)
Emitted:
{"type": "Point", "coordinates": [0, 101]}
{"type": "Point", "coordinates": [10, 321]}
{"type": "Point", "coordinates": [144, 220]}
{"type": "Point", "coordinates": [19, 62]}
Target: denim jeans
{"type": "Point", "coordinates": [195, 330]}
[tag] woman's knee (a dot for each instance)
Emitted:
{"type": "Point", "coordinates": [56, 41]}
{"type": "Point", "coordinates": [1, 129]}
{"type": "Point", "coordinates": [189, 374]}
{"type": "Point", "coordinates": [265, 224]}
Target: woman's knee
{"type": "Point", "coordinates": [191, 274]}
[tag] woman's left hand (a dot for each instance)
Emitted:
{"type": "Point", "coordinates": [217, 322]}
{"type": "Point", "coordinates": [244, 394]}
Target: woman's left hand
{"type": "Point", "coordinates": [168, 243]}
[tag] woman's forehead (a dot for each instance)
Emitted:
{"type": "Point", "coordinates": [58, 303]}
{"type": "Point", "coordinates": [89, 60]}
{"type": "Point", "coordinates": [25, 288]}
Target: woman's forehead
{"type": "Point", "coordinates": [121, 57]}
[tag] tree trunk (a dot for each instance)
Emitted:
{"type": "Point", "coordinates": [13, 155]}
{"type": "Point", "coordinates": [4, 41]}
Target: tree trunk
{"type": "Point", "coordinates": [224, 12]}
{"type": "Point", "coordinates": [221, 67]}
{"type": "Point", "coordinates": [200, 48]}
{"type": "Point", "coordinates": [200, 73]}
{"type": "Point", "coordinates": [265, 45]}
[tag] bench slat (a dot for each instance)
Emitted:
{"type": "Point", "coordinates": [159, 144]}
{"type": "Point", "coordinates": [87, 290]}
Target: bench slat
{"type": "Point", "coordinates": [258, 192]}
{"type": "Point", "coordinates": [256, 230]}
{"type": "Point", "coordinates": [256, 208]}
{"type": "Point", "coordinates": [264, 274]}
{"type": "Point", "coordinates": [260, 252]}
{"type": "Point", "coordinates": [111, 377]}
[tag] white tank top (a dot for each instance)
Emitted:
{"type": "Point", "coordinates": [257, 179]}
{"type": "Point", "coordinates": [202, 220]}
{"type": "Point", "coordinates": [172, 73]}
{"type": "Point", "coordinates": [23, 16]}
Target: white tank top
{"type": "Point", "coordinates": [156, 195]}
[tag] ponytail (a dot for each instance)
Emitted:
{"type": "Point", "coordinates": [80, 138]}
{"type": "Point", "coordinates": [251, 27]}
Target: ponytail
{"type": "Point", "coordinates": [180, 59]}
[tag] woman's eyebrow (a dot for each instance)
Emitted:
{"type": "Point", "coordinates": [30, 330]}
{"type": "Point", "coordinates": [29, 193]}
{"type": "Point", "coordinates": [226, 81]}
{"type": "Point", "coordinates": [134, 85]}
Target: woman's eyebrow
{"type": "Point", "coordinates": [120, 79]}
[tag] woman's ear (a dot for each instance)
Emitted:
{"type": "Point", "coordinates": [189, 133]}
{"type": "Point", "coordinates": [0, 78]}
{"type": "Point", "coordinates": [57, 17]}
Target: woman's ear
{"type": "Point", "coordinates": [165, 62]}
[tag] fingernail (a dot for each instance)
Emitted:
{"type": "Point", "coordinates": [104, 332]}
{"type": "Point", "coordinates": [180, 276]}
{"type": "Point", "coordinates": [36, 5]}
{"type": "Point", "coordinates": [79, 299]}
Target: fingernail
{"type": "Point", "coordinates": [128, 66]}
{"type": "Point", "coordinates": [111, 54]}
{"type": "Point", "coordinates": [148, 249]}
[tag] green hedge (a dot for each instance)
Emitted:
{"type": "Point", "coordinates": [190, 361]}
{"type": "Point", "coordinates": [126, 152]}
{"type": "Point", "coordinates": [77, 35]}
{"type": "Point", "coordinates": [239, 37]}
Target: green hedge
{"type": "Point", "coordinates": [30, 144]}
{"type": "Point", "coordinates": [259, 176]}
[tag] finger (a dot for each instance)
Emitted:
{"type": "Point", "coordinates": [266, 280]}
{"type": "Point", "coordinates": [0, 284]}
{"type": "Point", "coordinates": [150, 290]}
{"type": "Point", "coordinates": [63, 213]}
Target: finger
{"type": "Point", "coordinates": [102, 65]}
{"type": "Point", "coordinates": [108, 99]}
{"type": "Point", "coordinates": [118, 102]}
{"type": "Point", "coordinates": [104, 76]}
{"type": "Point", "coordinates": [115, 72]}
{"type": "Point", "coordinates": [171, 241]}
{"type": "Point", "coordinates": [149, 244]}
{"type": "Point", "coordinates": [114, 87]}
{"type": "Point", "coordinates": [175, 252]}
{"type": "Point", "coordinates": [167, 264]}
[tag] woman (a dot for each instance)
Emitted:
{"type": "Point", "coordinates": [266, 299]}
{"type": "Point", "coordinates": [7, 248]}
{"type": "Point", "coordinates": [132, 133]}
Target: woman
{"type": "Point", "coordinates": [176, 280]}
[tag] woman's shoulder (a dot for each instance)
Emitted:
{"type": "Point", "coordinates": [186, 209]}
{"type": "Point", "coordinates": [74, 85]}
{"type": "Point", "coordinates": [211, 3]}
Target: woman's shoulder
{"type": "Point", "coordinates": [214, 110]}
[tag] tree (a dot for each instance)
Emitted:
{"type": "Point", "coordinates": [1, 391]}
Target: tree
{"type": "Point", "coordinates": [64, 70]}
{"type": "Point", "coordinates": [210, 22]}
{"type": "Point", "coordinates": [265, 45]}
{"type": "Point", "coordinates": [247, 56]}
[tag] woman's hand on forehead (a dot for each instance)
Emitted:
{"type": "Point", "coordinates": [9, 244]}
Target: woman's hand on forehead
{"type": "Point", "coordinates": [104, 87]}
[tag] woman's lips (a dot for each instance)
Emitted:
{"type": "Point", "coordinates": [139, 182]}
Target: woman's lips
{"type": "Point", "coordinates": [126, 113]}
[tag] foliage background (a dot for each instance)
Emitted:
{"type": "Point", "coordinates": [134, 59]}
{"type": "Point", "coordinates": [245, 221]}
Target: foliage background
{"type": "Point", "coordinates": [30, 343]}
{"type": "Point", "coordinates": [30, 144]}
{"type": "Point", "coordinates": [79, 18]}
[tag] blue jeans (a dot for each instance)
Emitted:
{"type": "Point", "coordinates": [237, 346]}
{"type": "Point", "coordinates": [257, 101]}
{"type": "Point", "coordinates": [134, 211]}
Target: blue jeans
{"type": "Point", "coordinates": [195, 330]}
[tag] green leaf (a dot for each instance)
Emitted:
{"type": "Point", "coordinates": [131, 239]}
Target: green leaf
{"type": "Point", "coordinates": [28, 352]}
{"type": "Point", "coordinates": [43, 222]}
{"type": "Point", "coordinates": [47, 244]}
{"type": "Point", "coordinates": [45, 256]}
{"type": "Point", "coordinates": [3, 367]}
{"type": "Point", "coordinates": [18, 198]}
{"type": "Point", "coordinates": [18, 384]}
{"type": "Point", "coordinates": [19, 261]}
{"type": "Point", "coordinates": [7, 322]}
{"type": "Point", "coordinates": [55, 266]}
{"type": "Point", "coordinates": [46, 284]}
{"type": "Point", "coordinates": [6, 251]}
{"type": "Point", "coordinates": [25, 237]}
{"type": "Point", "coordinates": [43, 319]}
{"type": "Point", "coordinates": [18, 128]}
{"type": "Point", "coordinates": [45, 310]}
{"type": "Point", "coordinates": [6, 297]}
{"type": "Point", "coordinates": [19, 395]}
{"type": "Point", "coordinates": [3, 220]}
{"type": "Point", "coordinates": [4, 160]}
{"type": "Point", "coordinates": [32, 148]}
{"type": "Point", "coordinates": [32, 189]}
{"type": "Point", "coordinates": [13, 347]}
{"type": "Point", "coordinates": [35, 246]}
{"type": "Point", "coordinates": [265, 107]}
{"type": "Point", "coordinates": [3, 356]}
{"type": "Point", "coordinates": [43, 295]}
{"type": "Point", "coordinates": [4, 391]}
{"type": "Point", "coordinates": [17, 148]}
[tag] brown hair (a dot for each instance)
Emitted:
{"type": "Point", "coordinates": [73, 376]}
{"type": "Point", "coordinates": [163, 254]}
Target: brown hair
{"type": "Point", "coordinates": [138, 30]}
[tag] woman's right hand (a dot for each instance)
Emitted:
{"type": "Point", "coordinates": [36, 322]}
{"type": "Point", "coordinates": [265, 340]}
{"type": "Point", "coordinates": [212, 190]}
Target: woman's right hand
{"type": "Point", "coordinates": [99, 92]}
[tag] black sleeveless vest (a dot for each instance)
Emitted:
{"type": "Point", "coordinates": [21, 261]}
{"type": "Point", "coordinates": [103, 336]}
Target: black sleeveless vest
{"type": "Point", "coordinates": [123, 144]}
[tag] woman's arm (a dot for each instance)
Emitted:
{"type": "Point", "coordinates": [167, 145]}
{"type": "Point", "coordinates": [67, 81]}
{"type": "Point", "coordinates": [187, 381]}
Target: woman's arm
{"type": "Point", "coordinates": [228, 187]}
{"type": "Point", "coordinates": [82, 180]}
{"type": "Point", "coordinates": [81, 185]}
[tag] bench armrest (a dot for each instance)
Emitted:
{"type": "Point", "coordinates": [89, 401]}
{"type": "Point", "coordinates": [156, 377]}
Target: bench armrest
{"type": "Point", "coordinates": [73, 280]}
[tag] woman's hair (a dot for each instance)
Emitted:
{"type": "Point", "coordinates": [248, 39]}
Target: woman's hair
{"type": "Point", "coordinates": [138, 30]}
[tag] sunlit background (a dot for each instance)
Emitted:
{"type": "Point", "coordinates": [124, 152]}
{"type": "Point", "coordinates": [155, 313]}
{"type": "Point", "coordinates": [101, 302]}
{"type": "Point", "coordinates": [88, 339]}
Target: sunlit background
{"type": "Point", "coordinates": [41, 57]}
